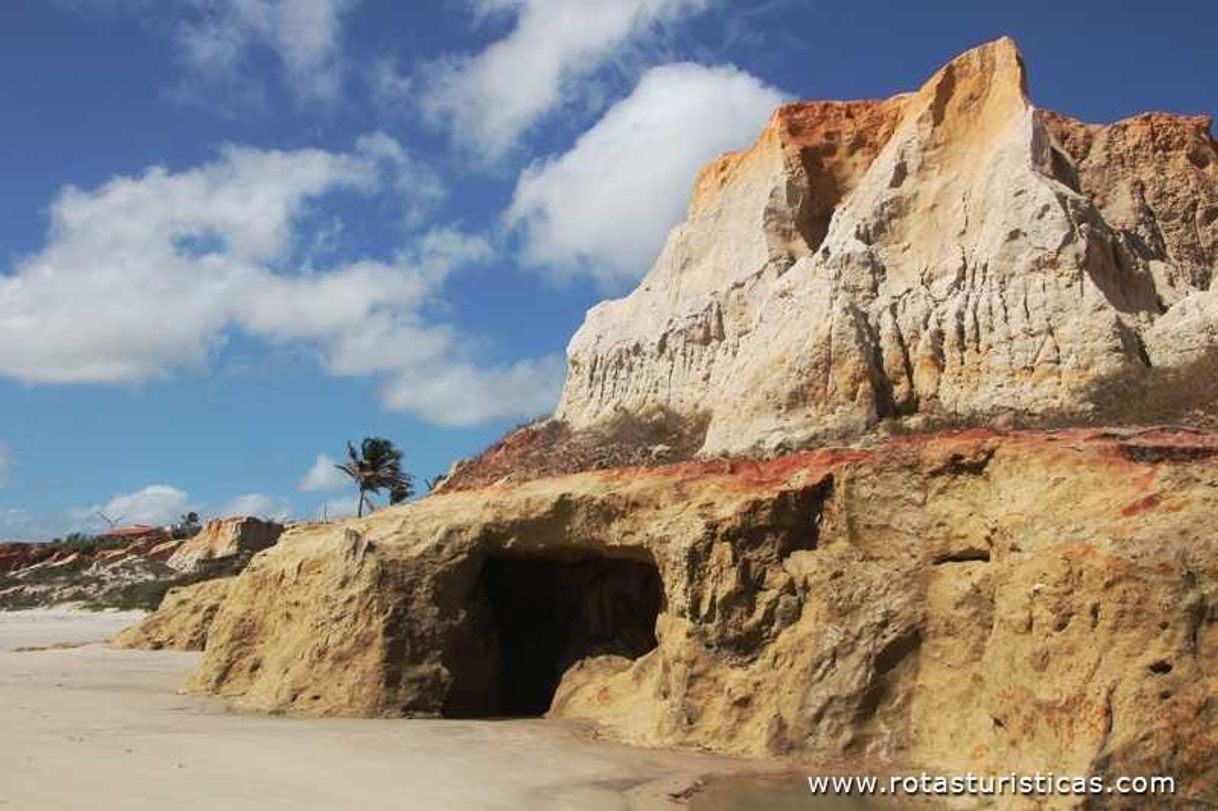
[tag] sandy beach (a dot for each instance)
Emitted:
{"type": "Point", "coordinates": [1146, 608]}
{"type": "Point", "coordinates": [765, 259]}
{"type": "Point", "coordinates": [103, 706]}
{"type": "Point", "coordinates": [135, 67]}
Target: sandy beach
{"type": "Point", "coordinates": [87, 727]}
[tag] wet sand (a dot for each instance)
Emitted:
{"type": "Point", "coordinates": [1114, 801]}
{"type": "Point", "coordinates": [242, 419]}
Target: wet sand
{"type": "Point", "coordinates": [87, 727]}
{"type": "Point", "coordinates": [60, 626]}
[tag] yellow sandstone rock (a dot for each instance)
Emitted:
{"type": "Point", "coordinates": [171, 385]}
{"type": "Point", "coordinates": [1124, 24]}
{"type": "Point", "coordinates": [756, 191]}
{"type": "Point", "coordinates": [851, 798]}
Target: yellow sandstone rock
{"type": "Point", "coordinates": [181, 622]}
{"type": "Point", "coordinates": [979, 601]}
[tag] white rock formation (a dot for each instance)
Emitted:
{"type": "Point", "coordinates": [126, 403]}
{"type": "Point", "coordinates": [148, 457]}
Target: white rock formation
{"type": "Point", "coordinates": [953, 252]}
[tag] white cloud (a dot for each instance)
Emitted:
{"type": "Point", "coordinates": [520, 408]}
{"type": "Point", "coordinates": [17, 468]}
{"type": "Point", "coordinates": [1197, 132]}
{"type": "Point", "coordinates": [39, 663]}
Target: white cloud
{"type": "Point", "coordinates": [490, 98]}
{"type": "Point", "coordinates": [338, 508]}
{"type": "Point", "coordinates": [218, 38]}
{"type": "Point", "coordinates": [390, 86]}
{"type": "Point", "coordinates": [604, 207]}
{"type": "Point", "coordinates": [156, 504]}
{"type": "Point", "coordinates": [18, 525]}
{"type": "Point", "coordinates": [149, 274]}
{"type": "Point", "coordinates": [464, 395]}
{"type": "Point", "coordinates": [255, 504]}
{"type": "Point", "coordinates": [418, 186]}
{"type": "Point", "coordinates": [323, 477]}
{"type": "Point", "coordinates": [142, 274]}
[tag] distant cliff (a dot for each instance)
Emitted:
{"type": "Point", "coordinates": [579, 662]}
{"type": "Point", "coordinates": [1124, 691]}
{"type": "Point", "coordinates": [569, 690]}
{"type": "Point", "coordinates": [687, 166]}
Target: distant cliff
{"type": "Point", "coordinates": [128, 570]}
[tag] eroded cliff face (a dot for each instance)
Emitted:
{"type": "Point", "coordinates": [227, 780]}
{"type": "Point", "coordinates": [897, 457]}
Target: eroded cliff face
{"type": "Point", "coordinates": [972, 601]}
{"type": "Point", "coordinates": [953, 253]}
{"type": "Point", "coordinates": [182, 620]}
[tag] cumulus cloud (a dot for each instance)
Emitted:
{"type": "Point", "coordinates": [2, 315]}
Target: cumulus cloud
{"type": "Point", "coordinates": [142, 274]}
{"type": "Point", "coordinates": [156, 504]}
{"type": "Point", "coordinates": [18, 525]}
{"type": "Point", "coordinates": [464, 395]}
{"type": "Point", "coordinates": [490, 98]}
{"type": "Point", "coordinates": [323, 477]}
{"type": "Point", "coordinates": [149, 274]}
{"type": "Point", "coordinates": [338, 508]}
{"type": "Point", "coordinates": [216, 40]}
{"type": "Point", "coordinates": [256, 504]}
{"type": "Point", "coordinates": [604, 207]}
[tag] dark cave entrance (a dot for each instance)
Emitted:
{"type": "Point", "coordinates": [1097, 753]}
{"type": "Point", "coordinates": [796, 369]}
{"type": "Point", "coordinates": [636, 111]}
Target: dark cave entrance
{"type": "Point", "coordinates": [545, 614]}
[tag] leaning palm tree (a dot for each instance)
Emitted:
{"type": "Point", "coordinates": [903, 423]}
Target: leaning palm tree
{"type": "Point", "coordinates": [375, 467]}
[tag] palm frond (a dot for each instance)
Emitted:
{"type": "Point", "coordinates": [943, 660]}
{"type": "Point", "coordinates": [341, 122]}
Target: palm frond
{"type": "Point", "coordinates": [377, 466]}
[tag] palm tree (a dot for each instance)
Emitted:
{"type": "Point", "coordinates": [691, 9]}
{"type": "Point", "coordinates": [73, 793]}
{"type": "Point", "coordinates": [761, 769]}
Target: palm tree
{"type": "Point", "coordinates": [377, 466]}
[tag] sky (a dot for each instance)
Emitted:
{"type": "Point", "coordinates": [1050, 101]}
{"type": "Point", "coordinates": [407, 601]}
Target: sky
{"type": "Point", "coordinates": [235, 234]}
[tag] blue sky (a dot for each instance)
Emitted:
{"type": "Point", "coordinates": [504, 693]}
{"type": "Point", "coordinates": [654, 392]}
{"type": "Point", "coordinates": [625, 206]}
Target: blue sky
{"type": "Point", "coordinates": [236, 233]}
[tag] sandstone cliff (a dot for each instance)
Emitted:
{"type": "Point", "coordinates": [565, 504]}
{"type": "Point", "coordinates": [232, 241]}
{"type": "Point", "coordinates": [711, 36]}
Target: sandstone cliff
{"type": "Point", "coordinates": [967, 602]}
{"type": "Point", "coordinates": [114, 573]}
{"type": "Point", "coordinates": [182, 620]}
{"type": "Point", "coordinates": [954, 253]}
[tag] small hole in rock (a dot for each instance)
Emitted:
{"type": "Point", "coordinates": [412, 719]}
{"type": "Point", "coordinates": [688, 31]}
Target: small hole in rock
{"type": "Point", "coordinates": [1160, 667]}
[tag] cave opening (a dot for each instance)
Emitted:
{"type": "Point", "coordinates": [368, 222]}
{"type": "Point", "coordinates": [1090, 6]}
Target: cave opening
{"type": "Point", "coordinates": [544, 614]}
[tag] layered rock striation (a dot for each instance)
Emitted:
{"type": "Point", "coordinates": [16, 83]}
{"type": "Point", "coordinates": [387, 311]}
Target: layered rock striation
{"type": "Point", "coordinates": [954, 253]}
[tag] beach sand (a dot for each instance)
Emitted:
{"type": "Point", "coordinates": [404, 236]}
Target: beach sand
{"type": "Point", "coordinates": [87, 727]}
